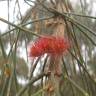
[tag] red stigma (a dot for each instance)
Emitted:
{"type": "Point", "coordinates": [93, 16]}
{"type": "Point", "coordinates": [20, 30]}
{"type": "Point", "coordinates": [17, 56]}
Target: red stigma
{"type": "Point", "coordinates": [50, 45]}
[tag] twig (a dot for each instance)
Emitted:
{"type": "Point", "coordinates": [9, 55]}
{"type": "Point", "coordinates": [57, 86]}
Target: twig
{"type": "Point", "coordinates": [2, 48]}
{"type": "Point", "coordinates": [79, 15]}
{"type": "Point", "coordinates": [19, 27]}
{"type": "Point", "coordinates": [29, 83]}
{"type": "Point", "coordinates": [75, 85]}
{"type": "Point", "coordinates": [73, 20]}
{"type": "Point", "coordinates": [36, 20]}
{"type": "Point", "coordinates": [80, 63]}
{"type": "Point", "coordinates": [85, 34]}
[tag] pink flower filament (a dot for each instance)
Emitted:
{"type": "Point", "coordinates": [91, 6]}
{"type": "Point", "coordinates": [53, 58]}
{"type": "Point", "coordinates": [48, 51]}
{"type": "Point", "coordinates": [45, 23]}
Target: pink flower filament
{"type": "Point", "coordinates": [49, 45]}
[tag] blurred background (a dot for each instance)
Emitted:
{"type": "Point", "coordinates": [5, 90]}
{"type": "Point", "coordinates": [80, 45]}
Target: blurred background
{"type": "Point", "coordinates": [23, 21]}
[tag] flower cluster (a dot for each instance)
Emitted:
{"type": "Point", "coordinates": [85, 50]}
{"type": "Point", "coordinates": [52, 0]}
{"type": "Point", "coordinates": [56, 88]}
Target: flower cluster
{"type": "Point", "coordinates": [50, 45]}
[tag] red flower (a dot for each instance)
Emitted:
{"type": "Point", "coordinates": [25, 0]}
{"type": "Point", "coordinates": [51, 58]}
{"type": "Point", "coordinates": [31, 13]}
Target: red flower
{"type": "Point", "coordinates": [49, 45]}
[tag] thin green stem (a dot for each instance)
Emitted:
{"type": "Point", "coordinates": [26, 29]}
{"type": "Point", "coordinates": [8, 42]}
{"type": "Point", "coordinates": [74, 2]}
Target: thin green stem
{"type": "Point", "coordinates": [22, 25]}
{"type": "Point", "coordinates": [85, 34]}
{"type": "Point", "coordinates": [80, 63]}
{"type": "Point", "coordinates": [68, 76]}
{"type": "Point", "coordinates": [4, 87]}
{"type": "Point", "coordinates": [38, 92]}
{"type": "Point", "coordinates": [10, 84]}
{"type": "Point", "coordinates": [2, 48]}
{"type": "Point", "coordinates": [21, 28]}
{"type": "Point", "coordinates": [29, 83]}
{"type": "Point", "coordinates": [72, 20]}
{"type": "Point", "coordinates": [75, 85]}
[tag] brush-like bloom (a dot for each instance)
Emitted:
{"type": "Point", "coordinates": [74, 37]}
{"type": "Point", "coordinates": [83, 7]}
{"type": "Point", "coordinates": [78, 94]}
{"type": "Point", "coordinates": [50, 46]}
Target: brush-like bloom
{"type": "Point", "coordinates": [50, 45]}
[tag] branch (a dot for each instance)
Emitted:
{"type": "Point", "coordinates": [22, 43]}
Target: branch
{"type": "Point", "coordinates": [22, 25]}
{"type": "Point", "coordinates": [72, 20]}
{"type": "Point", "coordinates": [19, 27]}
{"type": "Point", "coordinates": [30, 82]}
{"type": "Point", "coordinates": [76, 86]}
